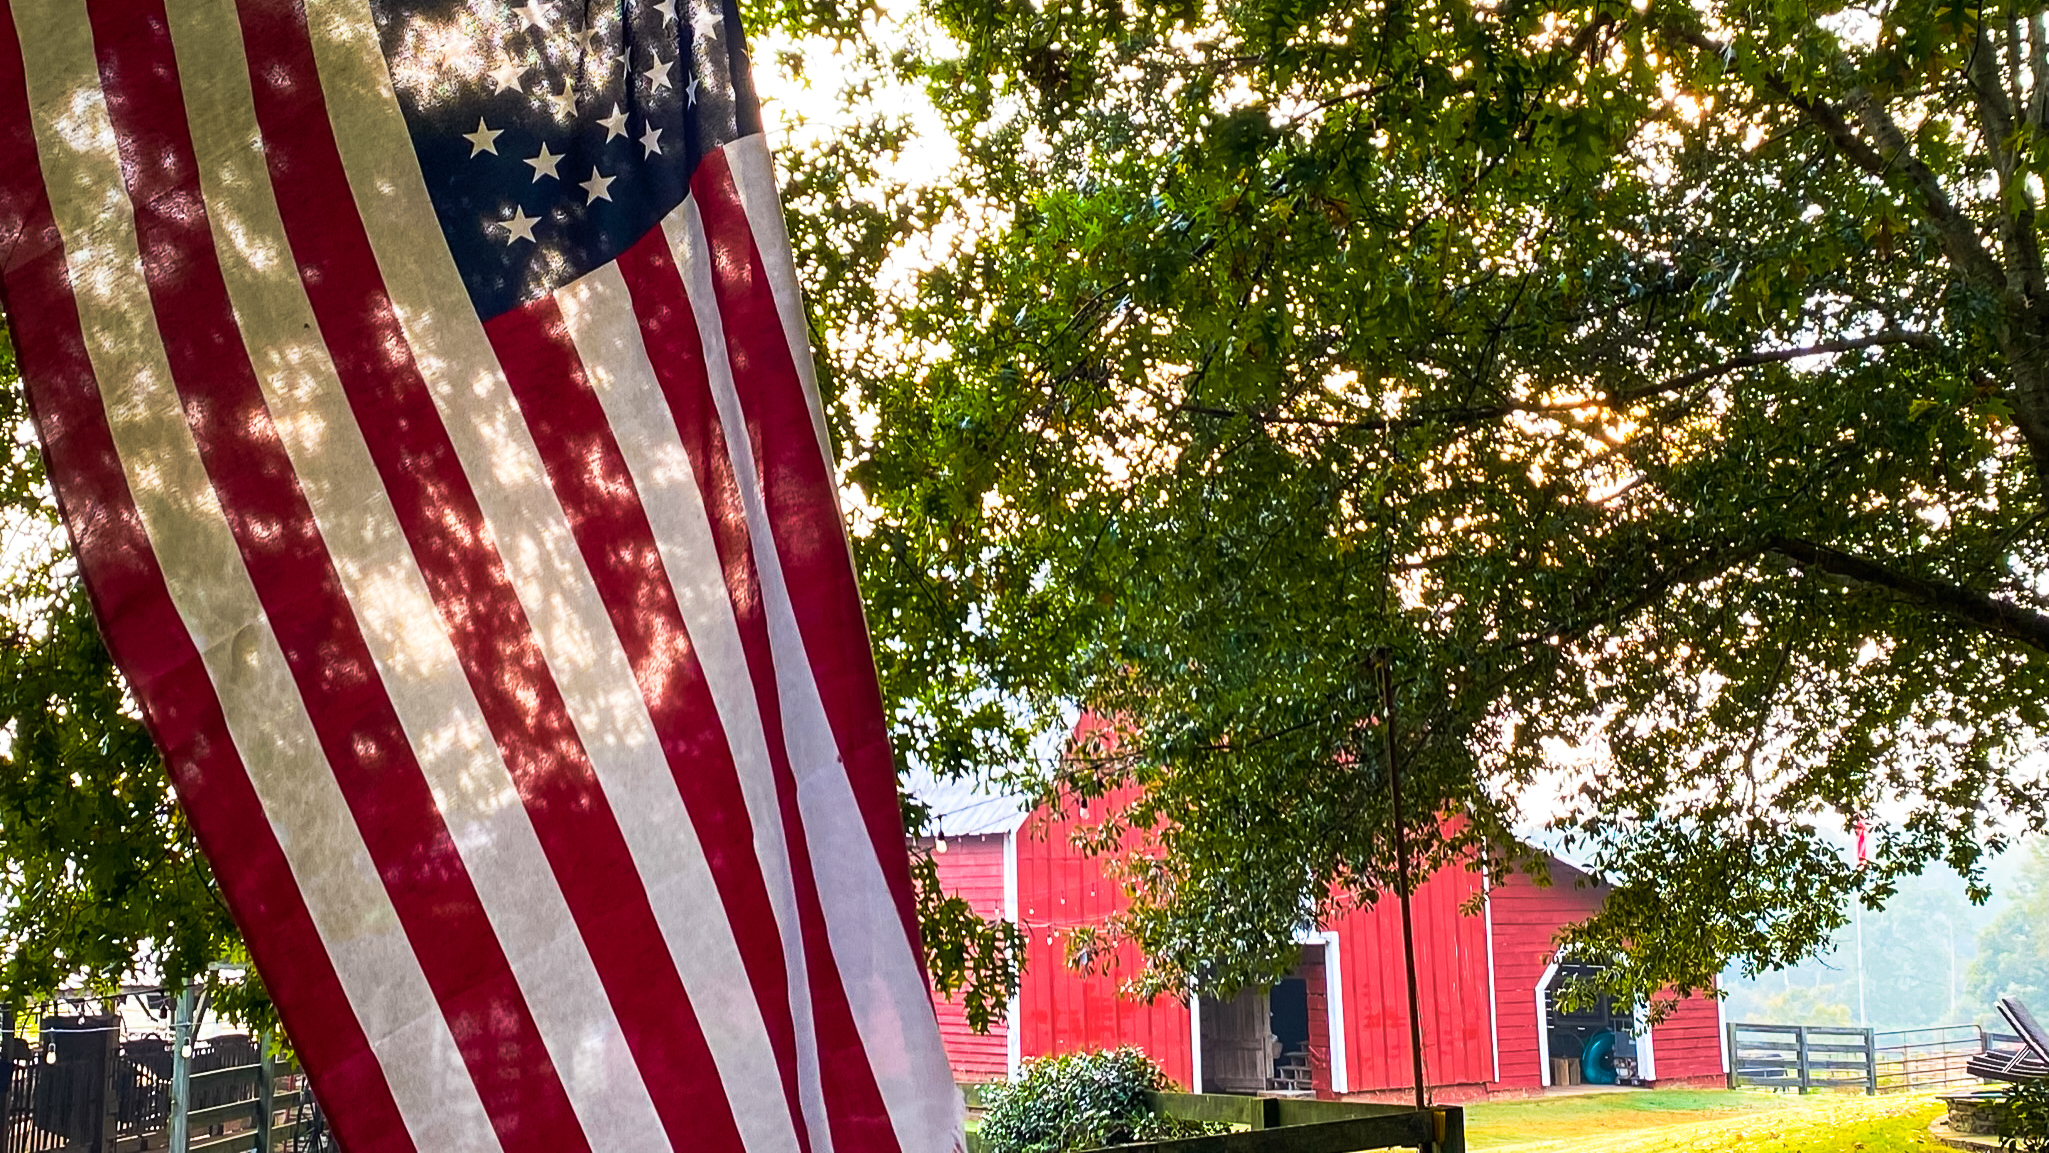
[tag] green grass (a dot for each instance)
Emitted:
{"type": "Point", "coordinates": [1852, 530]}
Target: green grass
{"type": "Point", "coordinates": [1704, 1122]}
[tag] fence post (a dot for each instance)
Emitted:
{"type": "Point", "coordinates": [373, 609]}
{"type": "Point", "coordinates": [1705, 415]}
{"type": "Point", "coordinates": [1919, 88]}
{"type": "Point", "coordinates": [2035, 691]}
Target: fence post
{"type": "Point", "coordinates": [6, 1071]}
{"type": "Point", "coordinates": [266, 1106]}
{"type": "Point", "coordinates": [109, 1120]}
{"type": "Point", "coordinates": [1735, 1060]}
{"type": "Point", "coordinates": [1870, 1062]}
{"type": "Point", "coordinates": [1454, 1128]}
{"type": "Point", "coordinates": [1799, 1046]}
{"type": "Point", "coordinates": [181, 1073]}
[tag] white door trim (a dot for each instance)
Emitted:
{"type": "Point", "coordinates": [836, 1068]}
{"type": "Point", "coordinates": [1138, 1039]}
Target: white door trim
{"type": "Point", "coordinates": [1544, 1023]}
{"type": "Point", "coordinates": [1194, 1042]}
{"type": "Point", "coordinates": [1493, 1003]}
{"type": "Point", "coordinates": [1013, 1026]}
{"type": "Point", "coordinates": [1722, 1032]}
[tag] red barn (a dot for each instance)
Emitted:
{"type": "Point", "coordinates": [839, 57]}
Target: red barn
{"type": "Point", "coordinates": [1338, 1026]}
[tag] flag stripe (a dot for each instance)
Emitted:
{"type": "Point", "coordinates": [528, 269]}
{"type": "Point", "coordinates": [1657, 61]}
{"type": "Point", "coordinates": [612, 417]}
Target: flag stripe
{"type": "Point", "coordinates": [146, 636]}
{"type": "Point", "coordinates": [754, 183]}
{"type": "Point", "coordinates": [214, 601]}
{"type": "Point", "coordinates": [414, 656]}
{"type": "Point", "coordinates": [549, 380]}
{"type": "Point", "coordinates": [444, 517]}
{"type": "Point", "coordinates": [301, 596]}
{"type": "Point", "coordinates": [801, 503]}
{"type": "Point", "coordinates": [623, 343]}
{"type": "Point", "coordinates": [848, 807]}
{"type": "Point", "coordinates": [688, 350]}
{"type": "Point", "coordinates": [902, 1087]}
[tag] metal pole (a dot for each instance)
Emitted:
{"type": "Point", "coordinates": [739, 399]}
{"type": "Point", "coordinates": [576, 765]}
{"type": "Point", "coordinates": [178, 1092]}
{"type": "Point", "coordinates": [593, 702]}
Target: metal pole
{"type": "Point", "coordinates": [181, 1072]}
{"type": "Point", "coordinates": [1402, 879]}
{"type": "Point", "coordinates": [266, 1105]}
{"type": "Point", "coordinates": [1857, 908]}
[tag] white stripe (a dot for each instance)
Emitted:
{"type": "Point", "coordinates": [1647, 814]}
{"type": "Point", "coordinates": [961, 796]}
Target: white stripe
{"type": "Point", "coordinates": [504, 468]}
{"type": "Point", "coordinates": [754, 179]}
{"type": "Point", "coordinates": [892, 1007]}
{"type": "Point", "coordinates": [416, 661]}
{"type": "Point", "coordinates": [645, 426]}
{"type": "Point", "coordinates": [598, 312]}
{"type": "Point", "coordinates": [202, 568]}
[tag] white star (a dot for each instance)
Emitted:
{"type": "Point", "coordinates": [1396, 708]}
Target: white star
{"type": "Point", "coordinates": [693, 90]}
{"type": "Point", "coordinates": [544, 164]}
{"type": "Point", "coordinates": [651, 141]}
{"type": "Point", "coordinates": [531, 13]}
{"type": "Point", "coordinates": [668, 10]}
{"type": "Point", "coordinates": [520, 227]}
{"type": "Point", "coordinates": [484, 139]}
{"type": "Point", "coordinates": [658, 72]}
{"type": "Point", "coordinates": [506, 76]}
{"type": "Point", "coordinates": [707, 23]}
{"type": "Point", "coordinates": [584, 39]}
{"type": "Point", "coordinates": [615, 124]}
{"type": "Point", "coordinates": [598, 187]}
{"type": "Point", "coordinates": [564, 102]}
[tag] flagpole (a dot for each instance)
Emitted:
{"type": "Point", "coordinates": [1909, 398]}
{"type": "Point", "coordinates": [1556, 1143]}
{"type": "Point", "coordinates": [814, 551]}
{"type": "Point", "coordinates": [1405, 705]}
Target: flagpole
{"type": "Point", "coordinates": [1857, 909]}
{"type": "Point", "coordinates": [1402, 877]}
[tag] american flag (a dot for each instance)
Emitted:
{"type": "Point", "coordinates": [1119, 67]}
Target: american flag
{"type": "Point", "coordinates": [426, 389]}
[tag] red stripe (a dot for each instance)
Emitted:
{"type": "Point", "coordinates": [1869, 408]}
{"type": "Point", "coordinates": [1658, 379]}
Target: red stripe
{"type": "Point", "coordinates": [149, 643]}
{"type": "Point", "coordinates": [859, 1118]}
{"type": "Point", "coordinates": [303, 599]}
{"type": "Point", "coordinates": [803, 509]}
{"type": "Point", "coordinates": [440, 515]}
{"type": "Point", "coordinates": [591, 480]}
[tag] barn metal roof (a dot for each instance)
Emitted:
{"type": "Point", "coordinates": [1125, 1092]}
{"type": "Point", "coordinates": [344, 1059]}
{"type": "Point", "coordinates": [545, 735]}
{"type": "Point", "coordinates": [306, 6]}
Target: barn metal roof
{"type": "Point", "coordinates": [967, 808]}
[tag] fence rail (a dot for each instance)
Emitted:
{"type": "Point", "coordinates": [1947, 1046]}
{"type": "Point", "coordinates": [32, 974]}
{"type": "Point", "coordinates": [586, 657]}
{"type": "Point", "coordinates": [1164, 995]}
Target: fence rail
{"type": "Point", "coordinates": [1810, 1058]}
{"type": "Point", "coordinates": [96, 1076]}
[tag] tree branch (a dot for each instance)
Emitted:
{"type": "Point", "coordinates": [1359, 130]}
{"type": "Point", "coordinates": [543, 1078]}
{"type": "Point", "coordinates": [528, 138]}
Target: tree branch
{"type": "Point", "coordinates": [1886, 157]}
{"type": "Point", "coordinates": [1967, 606]}
{"type": "Point", "coordinates": [1480, 414]}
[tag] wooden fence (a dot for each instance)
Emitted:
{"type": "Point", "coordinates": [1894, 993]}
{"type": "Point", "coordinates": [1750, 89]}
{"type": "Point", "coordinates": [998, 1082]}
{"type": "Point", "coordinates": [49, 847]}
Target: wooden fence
{"type": "Point", "coordinates": [73, 1081]}
{"type": "Point", "coordinates": [1807, 1058]}
{"type": "Point", "coordinates": [1291, 1125]}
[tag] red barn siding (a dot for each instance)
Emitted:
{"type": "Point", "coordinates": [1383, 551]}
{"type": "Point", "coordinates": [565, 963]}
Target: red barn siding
{"type": "Point", "coordinates": [1688, 1042]}
{"type": "Point", "coordinates": [1526, 921]}
{"type": "Point", "coordinates": [972, 868]}
{"type": "Point", "coordinates": [1061, 890]}
{"type": "Point", "coordinates": [1451, 988]}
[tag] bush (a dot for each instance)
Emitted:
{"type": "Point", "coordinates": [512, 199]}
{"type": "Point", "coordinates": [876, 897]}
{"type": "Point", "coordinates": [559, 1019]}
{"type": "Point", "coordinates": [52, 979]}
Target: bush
{"type": "Point", "coordinates": [1080, 1101]}
{"type": "Point", "coordinates": [2025, 1127]}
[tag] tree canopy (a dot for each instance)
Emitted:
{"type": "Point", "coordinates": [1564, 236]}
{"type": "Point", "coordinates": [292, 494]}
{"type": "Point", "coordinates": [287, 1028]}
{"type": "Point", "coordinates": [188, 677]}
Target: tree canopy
{"type": "Point", "coordinates": [1644, 407]}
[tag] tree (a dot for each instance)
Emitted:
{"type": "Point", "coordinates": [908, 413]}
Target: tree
{"type": "Point", "coordinates": [2013, 950]}
{"type": "Point", "coordinates": [1642, 409]}
{"type": "Point", "coordinates": [1917, 957]}
{"type": "Point", "coordinates": [98, 871]}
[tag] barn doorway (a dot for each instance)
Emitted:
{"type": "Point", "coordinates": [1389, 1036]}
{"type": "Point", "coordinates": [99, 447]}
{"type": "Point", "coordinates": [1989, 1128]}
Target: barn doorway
{"type": "Point", "coordinates": [1598, 1044]}
{"type": "Point", "coordinates": [1265, 1040]}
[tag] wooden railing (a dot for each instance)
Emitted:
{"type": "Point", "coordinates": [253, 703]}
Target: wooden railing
{"type": "Point", "coordinates": [1806, 1058]}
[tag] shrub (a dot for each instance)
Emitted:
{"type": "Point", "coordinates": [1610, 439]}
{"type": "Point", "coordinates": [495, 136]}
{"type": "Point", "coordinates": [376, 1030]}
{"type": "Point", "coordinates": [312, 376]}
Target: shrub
{"type": "Point", "coordinates": [2025, 1126]}
{"type": "Point", "coordinates": [1080, 1101]}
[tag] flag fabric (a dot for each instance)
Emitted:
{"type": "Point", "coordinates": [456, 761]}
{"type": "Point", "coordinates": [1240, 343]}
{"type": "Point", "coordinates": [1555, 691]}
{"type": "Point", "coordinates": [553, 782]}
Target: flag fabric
{"type": "Point", "coordinates": [426, 390]}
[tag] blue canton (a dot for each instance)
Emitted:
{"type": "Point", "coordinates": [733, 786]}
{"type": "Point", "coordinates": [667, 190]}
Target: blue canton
{"type": "Point", "coordinates": [555, 134]}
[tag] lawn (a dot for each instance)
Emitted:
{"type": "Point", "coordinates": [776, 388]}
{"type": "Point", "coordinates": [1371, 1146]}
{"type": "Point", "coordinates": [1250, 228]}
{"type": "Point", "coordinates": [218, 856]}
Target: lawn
{"type": "Point", "coordinates": [1704, 1122]}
